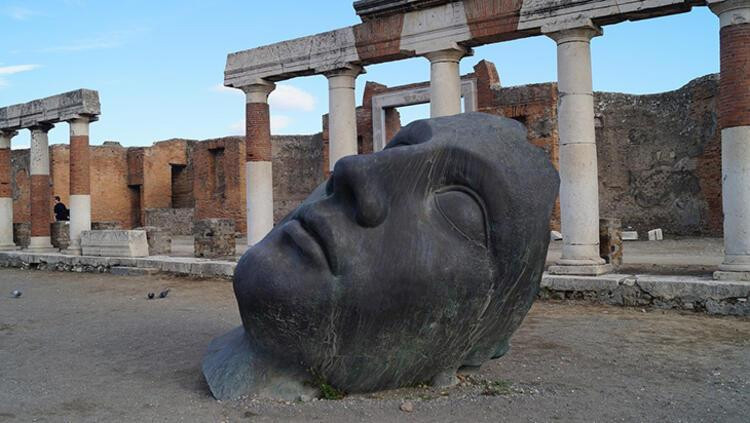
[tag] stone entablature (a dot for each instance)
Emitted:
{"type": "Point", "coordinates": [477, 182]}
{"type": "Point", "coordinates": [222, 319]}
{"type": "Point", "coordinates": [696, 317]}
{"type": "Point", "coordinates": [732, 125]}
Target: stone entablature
{"type": "Point", "coordinates": [368, 9]}
{"type": "Point", "coordinates": [57, 108]}
{"type": "Point", "coordinates": [466, 23]}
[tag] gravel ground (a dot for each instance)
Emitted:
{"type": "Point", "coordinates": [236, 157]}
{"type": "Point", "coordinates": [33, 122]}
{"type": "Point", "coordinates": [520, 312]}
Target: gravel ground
{"type": "Point", "coordinates": [86, 347]}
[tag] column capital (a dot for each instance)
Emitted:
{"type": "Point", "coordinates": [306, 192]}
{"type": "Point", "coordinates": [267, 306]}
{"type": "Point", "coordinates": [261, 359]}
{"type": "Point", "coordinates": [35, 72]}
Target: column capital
{"type": "Point", "coordinates": [258, 91]}
{"type": "Point", "coordinates": [41, 127]}
{"type": "Point", "coordinates": [571, 31]}
{"type": "Point", "coordinates": [8, 133]}
{"type": "Point", "coordinates": [453, 55]}
{"type": "Point", "coordinates": [731, 12]}
{"type": "Point", "coordinates": [350, 70]}
{"type": "Point", "coordinates": [79, 126]}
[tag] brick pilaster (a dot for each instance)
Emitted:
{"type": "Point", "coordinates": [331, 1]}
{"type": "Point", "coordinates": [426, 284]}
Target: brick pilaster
{"type": "Point", "coordinates": [258, 133]}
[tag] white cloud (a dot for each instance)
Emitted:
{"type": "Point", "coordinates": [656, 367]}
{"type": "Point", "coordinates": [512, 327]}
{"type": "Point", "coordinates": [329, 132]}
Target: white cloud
{"type": "Point", "coordinates": [278, 123]}
{"type": "Point", "coordinates": [10, 70]}
{"type": "Point", "coordinates": [288, 97]}
{"type": "Point", "coordinates": [19, 13]}
{"type": "Point", "coordinates": [104, 41]}
{"type": "Point", "coordinates": [284, 97]}
{"type": "Point", "coordinates": [238, 128]}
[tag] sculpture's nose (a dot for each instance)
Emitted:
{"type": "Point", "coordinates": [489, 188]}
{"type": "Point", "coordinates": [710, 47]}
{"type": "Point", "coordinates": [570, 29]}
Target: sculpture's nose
{"type": "Point", "coordinates": [356, 179]}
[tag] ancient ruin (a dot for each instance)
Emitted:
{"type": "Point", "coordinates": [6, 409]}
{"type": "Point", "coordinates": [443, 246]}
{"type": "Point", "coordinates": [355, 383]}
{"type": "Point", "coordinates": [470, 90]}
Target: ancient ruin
{"type": "Point", "coordinates": [78, 108]}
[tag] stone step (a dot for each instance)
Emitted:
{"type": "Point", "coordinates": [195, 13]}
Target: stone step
{"type": "Point", "coordinates": [132, 271]}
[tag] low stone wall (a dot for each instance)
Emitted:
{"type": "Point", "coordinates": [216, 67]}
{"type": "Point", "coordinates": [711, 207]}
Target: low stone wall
{"type": "Point", "coordinates": [174, 221]}
{"type": "Point", "coordinates": [692, 293]}
{"type": "Point", "coordinates": [214, 238]}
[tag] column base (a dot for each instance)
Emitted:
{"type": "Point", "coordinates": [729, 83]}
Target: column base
{"type": "Point", "coordinates": [71, 251]}
{"type": "Point", "coordinates": [9, 247]}
{"type": "Point", "coordinates": [580, 269]}
{"type": "Point", "coordinates": [41, 245]}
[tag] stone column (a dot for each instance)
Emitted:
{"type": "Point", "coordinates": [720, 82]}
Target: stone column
{"type": "Point", "coordinates": [258, 169]}
{"type": "Point", "coordinates": [41, 207]}
{"type": "Point", "coordinates": [734, 122]}
{"type": "Point", "coordinates": [80, 183]}
{"type": "Point", "coordinates": [342, 113]}
{"type": "Point", "coordinates": [445, 81]}
{"type": "Point", "coordinates": [6, 193]}
{"type": "Point", "coordinates": [579, 186]}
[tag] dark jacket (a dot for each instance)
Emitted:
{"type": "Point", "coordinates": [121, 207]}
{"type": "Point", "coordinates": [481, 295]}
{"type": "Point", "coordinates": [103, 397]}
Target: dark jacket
{"type": "Point", "coordinates": [61, 212]}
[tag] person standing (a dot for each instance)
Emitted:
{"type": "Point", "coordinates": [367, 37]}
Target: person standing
{"type": "Point", "coordinates": [61, 212]}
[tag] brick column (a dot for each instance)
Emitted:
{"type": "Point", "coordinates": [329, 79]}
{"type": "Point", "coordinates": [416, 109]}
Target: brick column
{"type": "Point", "coordinates": [445, 81]}
{"type": "Point", "coordinates": [80, 185]}
{"type": "Point", "coordinates": [40, 190]}
{"type": "Point", "coordinates": [342, 114]}
{"type": "Point", "coordinates": [258, 168]}
{"type": "Point", "coordinates": [734, 122]}
{"type": "Point", "coordinates": [6, 193]}
{"type": "Point", "coordinates": [579, 186]}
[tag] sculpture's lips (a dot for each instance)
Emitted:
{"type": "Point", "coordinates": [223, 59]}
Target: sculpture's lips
{"type": "Point", "coordinates": [308, 240]}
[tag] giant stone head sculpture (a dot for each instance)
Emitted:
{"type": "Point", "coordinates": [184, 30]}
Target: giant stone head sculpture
{"type": "Point", "coordinates": [407, 265]}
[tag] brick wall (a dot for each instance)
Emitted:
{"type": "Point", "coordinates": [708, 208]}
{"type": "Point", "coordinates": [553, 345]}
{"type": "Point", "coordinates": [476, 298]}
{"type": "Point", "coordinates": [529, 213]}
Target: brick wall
{"type": "Point", "coordinates": [219, 181]}
{"type": "Point", "coordinates": [296, 170]}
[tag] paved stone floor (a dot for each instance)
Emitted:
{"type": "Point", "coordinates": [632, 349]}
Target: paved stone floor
{"type": "Point", "coordinates": [87, 347]}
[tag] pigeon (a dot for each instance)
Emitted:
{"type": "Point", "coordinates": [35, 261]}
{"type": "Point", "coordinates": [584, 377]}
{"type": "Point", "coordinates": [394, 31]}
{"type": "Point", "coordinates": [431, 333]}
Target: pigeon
{"type": "Point", "coordinates": [150, 295]}
{"type": "Point", "coordinates": [164, 293]}
{"type": "Point", "coordinates": [16, 294]}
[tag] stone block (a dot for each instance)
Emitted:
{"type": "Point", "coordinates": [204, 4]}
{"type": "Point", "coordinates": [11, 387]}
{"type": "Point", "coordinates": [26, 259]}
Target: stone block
{"type": "Point", "coordinates": [60, 234]}
{"type": "Point", "coordinates": [214, 238]}
{"type": "Point", "coordinates": [655, 235]}
{"type": "Point", "coordinates": [555, 236]}
{"type": "Point", "coordinates": [103, 226]}
{"type": "Point", "coordinates": [114, 243]}
{"type": "Point", "coordinates": [159, 240]}
{"type": "Point", "coordinates": [582, 270]}
{"type": "Point", "coordinates": [610, 241]}
{"type": "Point", "coordinates": [22, 234]}
{"type": "Point", "coordinates": [177, 221]}
{"type": "Point", "coordinates": [629, 235]}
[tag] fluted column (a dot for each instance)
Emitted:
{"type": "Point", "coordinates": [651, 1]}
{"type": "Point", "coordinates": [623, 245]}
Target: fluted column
{"type": "Point", "coordinates": [734, 122]}
{"type": "Point", "coordinates": [40, 190]}
{"type": "Point", "coordinates": [445, 81]}
{"type": "Point", "coordinates": [80, 182]}
{"type": "Point", "coordinates": [579, 186]}
{"type": "Point", "coordinates": [6, 193]}
{"type": "Point", "coordinates": [342, 113]}
{"type": "Point", "coordinates": [258, 168]}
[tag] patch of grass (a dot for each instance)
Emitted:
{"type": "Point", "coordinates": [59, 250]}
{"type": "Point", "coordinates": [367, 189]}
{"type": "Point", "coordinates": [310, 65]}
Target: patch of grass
{"type": "Point", "coordinates": [326, 390]}
{"type": "Point", "coordinates": [498, 387]}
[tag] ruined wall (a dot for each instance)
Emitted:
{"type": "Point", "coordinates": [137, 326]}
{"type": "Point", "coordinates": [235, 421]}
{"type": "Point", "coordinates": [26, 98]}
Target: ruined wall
{"type": "Point", "coordinates": [21, 188]}
{"type": "Point", "coordinates": [296, 170]}
{"type": "Point", "coordinates": [660, 159]}
{"type": "Point", "coordinates": [535, 106]}
{"type": "Point", "coordinates": [157, 171]}
{"type": "Point", "coordinates": [219, 180]}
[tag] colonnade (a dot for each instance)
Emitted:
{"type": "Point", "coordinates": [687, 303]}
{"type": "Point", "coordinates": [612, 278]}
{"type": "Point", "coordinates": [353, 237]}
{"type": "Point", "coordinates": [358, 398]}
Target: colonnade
{"type": "Point", "coordinates": [40, 195]}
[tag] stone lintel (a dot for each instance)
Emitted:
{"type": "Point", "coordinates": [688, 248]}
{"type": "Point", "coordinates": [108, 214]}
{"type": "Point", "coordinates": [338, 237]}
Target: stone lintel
{"type": "Point", "coordinates": [50, 110]}
{"type": "Point", "coordinates": [436, 25]}
{"type": "Point", "coordinates": [368, 9]}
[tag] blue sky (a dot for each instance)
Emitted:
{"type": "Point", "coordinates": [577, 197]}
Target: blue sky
{"type": "Point", "coordinates": [158, 65]}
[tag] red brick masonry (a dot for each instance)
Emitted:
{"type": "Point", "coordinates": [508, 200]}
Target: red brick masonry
{"type": "Point", "coordinates": [734, 91]}
{"type": "Point", "coordinates": [80, 173]}
{"type": "Point", "coordinates": [258, 141]}
{"type": "Point", "coordinates": [40, 205]}
{"type": "Point", "coordinates": [6, 189]}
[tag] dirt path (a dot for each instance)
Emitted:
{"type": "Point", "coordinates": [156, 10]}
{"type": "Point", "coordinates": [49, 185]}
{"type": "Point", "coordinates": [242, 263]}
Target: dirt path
{"type": "Point", "coordinates": [83, 347]}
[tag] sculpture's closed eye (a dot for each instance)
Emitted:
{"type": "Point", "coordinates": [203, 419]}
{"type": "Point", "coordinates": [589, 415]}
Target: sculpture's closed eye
{"type": "Point", "coordinates": [464, 211]}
